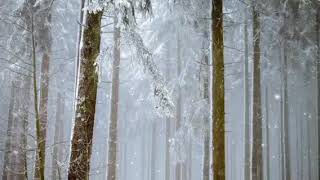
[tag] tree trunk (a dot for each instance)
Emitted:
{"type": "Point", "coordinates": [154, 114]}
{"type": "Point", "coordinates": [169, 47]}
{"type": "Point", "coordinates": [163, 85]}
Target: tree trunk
{"type": "Point", "coordinates": [86, 99]}
{"type": "Point", "coordinates": [178, 168]}
{"type": "Point", "coordinates": [285, 115]}
{"type": "Point", "coordinates": [257, 164]}
{"type": "Point", "coordinates": [218, 119]}
{"type": "Point", "coordinates": [168, 126]}
{"type": "Point", "coordinates": [246, 103]}
{"type": "Point", "coordinates": [153, 150]}
{"type": "Point", "coordinates": [318, 82]}
{"type": "Point", "coordinates": [267, 135]}
{"type": "Point", "coordinates": [7, 166]}
{"type": "Point", "coordinates": [113, 127]}
{"type": "Point", "coordinates": [44, 43]}
{"type": "Point", "coordinates": [206, 143]}
{"type": "Point", "coordinates": [58, 139]}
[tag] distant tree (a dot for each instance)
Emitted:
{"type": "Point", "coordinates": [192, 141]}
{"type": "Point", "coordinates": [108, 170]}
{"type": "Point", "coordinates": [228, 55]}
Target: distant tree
{"type": "Point", "coordinates": [7, 164]}
{"type": "Point", "coordinates": [113, 126]}
{"type": "Point", "coordinates": [57, 154]}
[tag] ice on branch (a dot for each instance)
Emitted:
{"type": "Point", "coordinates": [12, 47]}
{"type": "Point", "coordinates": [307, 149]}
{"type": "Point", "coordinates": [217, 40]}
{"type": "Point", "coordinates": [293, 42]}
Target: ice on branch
{"type": "Point", "coordinates": [161, 92]}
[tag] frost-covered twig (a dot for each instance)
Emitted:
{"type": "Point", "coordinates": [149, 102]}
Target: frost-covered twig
{"type": "Point", "coordinates": [160, 90]}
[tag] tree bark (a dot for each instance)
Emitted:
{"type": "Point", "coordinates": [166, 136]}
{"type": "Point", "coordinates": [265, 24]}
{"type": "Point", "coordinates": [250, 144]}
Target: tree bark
{"type": "Point", "coordinates": [218, 119]}
{"type": "Point", "coordinates": [267, 135]}
{"type": "Point", "coordinates": [153, 150]}
{"type": "Point", "coordinates": [286, 115]}
{"type": "Point", "coordinates": [44, 43]}
{"type": "Point", "coordinates": [246, 102]}
{"type": "Point", "coordinates": [7, 166]}
{"type": "Point", "coordinates": [58, 139]}
{"type": "Point", "coordinates": [206, 143]}
{"type": "Point", "coordinates": [86, 99]}
{"type": "Point", "coordinates": [113, 127]}
{"type": "Point", "coordinates": [178, 167]}
{"type": "Point", "coordinates": [257, 163]}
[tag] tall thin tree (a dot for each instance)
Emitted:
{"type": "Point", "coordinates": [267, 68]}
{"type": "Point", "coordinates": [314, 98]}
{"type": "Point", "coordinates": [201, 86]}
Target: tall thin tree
{"type": "Point", "coordinates": [257, 163]}
{"type": "Point", "coordinates": [246, 101]}
{"type": "Point", "coordinates": [113, 126]}
{"type": "Point", "coordinates": [218, 115]}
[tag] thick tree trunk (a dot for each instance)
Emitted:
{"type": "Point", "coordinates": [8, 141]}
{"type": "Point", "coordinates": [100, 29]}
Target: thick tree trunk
{"type": "Point", "coordinates": [246, 103]}
{"type": "Point", "coordinates": [257, 163]}
{"type": "Point", "coordinates": [86, 99]}
{"type": "Point", "coordinates": [218, 119]}
{"type": "Point", "coordinates": [58, 139]}
{"type": "Point", "coordinates": [7, 164]}
{"type": "Point", "coordinates": [113, 127]}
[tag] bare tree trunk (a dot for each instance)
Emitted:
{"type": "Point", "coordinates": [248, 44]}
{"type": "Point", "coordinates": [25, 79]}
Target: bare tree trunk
{"type": "Point", "coordinates": [267, 135]}
{"type": "Point", "coordinates": [178, 168]}
{"type": "Point", "coordinates": [285, 116]}
{"type": "Point", "coordinates": [58, 139]}
{"type": "Point", "coordinates": [206, 143]}
{"type": "Point", "coordinates": [318, 82]}
{"type": "Point", "coordinates": [7, 166]}
{"type": "Point", "coordinates": [218, 119]}
{"type": "Point", "coordinates": [246, 103]}
{"type": "Point", "coordinates": [86, 99]}
{"type": "Point", "coordinates": [168, 127]}
{"type": "Point", "coordinates": [113, 127]}
{"type": "Point", "coordinates": [257, 163]}
{"type": "Point", "coordinates": [153, 150]}
{"type": "Point", "coordinates": [44, 43]}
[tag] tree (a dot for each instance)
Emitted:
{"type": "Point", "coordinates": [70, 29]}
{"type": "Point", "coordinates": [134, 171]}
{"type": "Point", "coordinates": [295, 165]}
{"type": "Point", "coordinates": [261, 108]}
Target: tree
{"type": "Point", "coordinates": [58, 138]}
{"type": "Point", "coordinates": [246, 102]}
{"type": "Point", "coordinates": [43, 38]}
{"type": "Point", "coordinates": [113, 127]}
{"type": "Point", "coordinates": [267, 134]}
{"type": "Point", "coordinates": [7, 165]}
{"type": "Point", "coordinates": [86, 98]}
{"type": "Point", "coordinates": [257, 164]}
{"type": "Point", "coordinates": [206, 143]}
{"type": "Point", "coordinates": [218, 119]}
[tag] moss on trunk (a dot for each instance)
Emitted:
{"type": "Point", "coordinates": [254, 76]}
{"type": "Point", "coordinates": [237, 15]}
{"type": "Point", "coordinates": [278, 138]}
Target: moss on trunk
{"type": "Point", "coordinates": [86, 100]}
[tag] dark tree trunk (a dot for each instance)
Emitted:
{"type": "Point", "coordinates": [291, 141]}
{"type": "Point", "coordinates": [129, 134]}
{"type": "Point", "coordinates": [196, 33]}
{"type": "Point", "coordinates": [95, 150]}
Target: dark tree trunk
{"type": "Point", "coordinates": [86, 100]}
{"type": "Point", "coordinates": [218, 119]}
{"type": "Point", "coordinates": [257, 164]}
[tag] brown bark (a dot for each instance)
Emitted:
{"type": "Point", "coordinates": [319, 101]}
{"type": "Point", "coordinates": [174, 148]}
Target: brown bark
{"type": "Point", "coordinates": [113, 127]}
{"type": "Point", "coordinates": [257, 163]}
{"type": "Point", "coordinates": [86, 100]}
{"type": "Point", "coordinates": [218, 118]}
